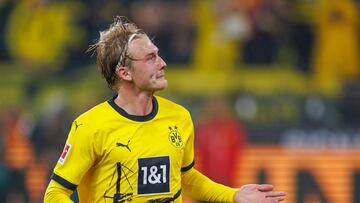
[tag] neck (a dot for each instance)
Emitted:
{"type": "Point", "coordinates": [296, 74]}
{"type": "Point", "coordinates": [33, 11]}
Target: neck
{"type": "Point", "coordinates": [139, 104]}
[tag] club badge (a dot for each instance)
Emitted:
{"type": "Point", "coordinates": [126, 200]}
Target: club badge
{"type": "Point", "coordinates": [175, 137]}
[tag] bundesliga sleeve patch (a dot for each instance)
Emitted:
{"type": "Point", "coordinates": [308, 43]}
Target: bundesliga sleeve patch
{"type": "Point", "coordinates": [64, 154]}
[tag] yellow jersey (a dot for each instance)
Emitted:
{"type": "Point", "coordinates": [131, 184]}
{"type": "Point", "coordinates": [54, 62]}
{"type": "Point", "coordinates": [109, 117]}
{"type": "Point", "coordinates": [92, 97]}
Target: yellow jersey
{"type": "Point", "coordinates": [111, 156]}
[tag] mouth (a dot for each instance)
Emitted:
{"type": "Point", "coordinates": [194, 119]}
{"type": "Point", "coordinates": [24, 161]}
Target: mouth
{"type": "Point", "coordinates": [160, 76]}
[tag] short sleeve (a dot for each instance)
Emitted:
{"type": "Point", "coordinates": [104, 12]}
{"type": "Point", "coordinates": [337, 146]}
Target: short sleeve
{"type": "Point", "coordinates": [78, 156]}
{"type": "Point", "coordinates": [188, 159]}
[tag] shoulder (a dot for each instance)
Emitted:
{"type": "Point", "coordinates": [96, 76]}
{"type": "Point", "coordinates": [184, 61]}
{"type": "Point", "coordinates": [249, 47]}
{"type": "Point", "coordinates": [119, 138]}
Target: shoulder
{"type": "Point", "coordinates": [95, 115]}
{"type": "Point", "coordinates": [170, 106]}
{"type": "Point", "coordinates": [91, 124]}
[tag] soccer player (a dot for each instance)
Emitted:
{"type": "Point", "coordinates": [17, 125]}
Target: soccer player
{"type": "Point", "coordinates": [137, 147]}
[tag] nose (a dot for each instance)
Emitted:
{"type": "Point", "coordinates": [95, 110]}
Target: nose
{"type": "Point", "coordinates": [162, 63]}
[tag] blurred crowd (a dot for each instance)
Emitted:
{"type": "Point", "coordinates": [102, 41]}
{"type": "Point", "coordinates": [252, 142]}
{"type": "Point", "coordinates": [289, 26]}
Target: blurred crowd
{"type": "Point", "coordinates": [318, 38]}
{"type": "Point", "coordinates": [312, 34]}
{"type": "Point", "coordinates": [56, 34]}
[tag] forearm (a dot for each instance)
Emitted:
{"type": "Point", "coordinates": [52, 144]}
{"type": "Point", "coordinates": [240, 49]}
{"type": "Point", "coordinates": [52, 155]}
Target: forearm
{"type": "Point", "coordinates": [56, 193]}
{"type": "Point", "coordinates": [199, 187]}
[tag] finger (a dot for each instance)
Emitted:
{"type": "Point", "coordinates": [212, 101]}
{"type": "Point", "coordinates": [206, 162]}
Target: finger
{"type": "Point", "coordinates": [271, 200]}
{"type": "Point", "coordinates": [281, 198]}
{"type": "Point", "coordinates": [265, 187]}
{"type": "Point", "coordinates": [274, 200]}
{"type": "Point", "coordinates": [275, 194]}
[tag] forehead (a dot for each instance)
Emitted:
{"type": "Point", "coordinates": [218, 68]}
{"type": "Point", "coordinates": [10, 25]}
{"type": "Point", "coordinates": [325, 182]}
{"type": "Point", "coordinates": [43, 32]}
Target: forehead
{"type": "Point", "coordinates": [142, 46]}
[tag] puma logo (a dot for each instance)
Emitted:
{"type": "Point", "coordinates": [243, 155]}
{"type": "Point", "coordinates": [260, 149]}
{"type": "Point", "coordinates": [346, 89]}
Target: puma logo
{"type": "Point", "coordinates": [124, 145]}
{"type": "Point", "coordinates": [77, 125]}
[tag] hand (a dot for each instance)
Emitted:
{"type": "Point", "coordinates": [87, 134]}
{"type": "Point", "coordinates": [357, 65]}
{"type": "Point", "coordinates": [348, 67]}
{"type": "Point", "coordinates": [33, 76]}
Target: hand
{"type": "Point", "coordinates": [254, 193]}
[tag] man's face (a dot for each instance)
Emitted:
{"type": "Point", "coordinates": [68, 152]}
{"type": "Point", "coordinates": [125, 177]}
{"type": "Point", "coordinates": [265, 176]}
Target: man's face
{"type": "Point", "coordinates": [148, 68]}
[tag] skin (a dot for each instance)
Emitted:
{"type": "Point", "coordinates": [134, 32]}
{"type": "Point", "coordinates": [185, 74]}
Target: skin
{"type": "Point", "coordinates": [146, 75]}
{"type": "Point", "coordinates": [254, 193]}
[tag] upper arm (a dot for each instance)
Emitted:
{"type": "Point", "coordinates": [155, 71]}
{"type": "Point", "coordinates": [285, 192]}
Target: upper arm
{"type": "Point", "coordinates": [78, 156]}
{"type": "Point", "coordinates": [55, 192]}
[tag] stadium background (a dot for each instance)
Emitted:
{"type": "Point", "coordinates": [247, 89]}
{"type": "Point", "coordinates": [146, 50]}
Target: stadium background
{"type": "Point", "coordinates": [273, 87]}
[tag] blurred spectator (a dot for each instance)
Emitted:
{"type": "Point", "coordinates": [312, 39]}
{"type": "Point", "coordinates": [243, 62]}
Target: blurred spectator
{"type": "Point", "coordinates": [268, 24]}
{"type": "Point", "coordinates": [220, 138]}
{"type": "Point", "coordinates": [56, 31]}
{"type": "Point", "coordinates": [301, 33]}
{"type": "Point", "coordinates": [95, 16]}
{"type": "Point", "coordinates": [151, 16]}
{"type": "Point", "coordinates": [302, 41]}
{"type": "Point", "coordinates": [47, 137]}
{"type": "Point", "coordinates": [51, 130]}
{"type": "Point", "coordinates": [4, 181]}
{"type": "Point", "coordinates": [19, 154]}
{"type": "Point", "coordinates": [37, 177]}
{"type": "Point", "coordinates": [348, 104]}
{"type": "Point", "coordinates": [180, 33]}
{"type": "Point", "coordinates": [5, 9]}
{"type": "Point", "coordinates": [39, 32]}
{"type": "Point", "coordinates": [221, 27]}
{"type": "Point", "coordinates": [98, 13]}
{"type": "Point", "coordinates": [170, 23]}
{"type": "Point", "coordinates": [4, 176]}
{"type": "Point", "coordinates": [336, 53]}
{"type": "Point", "coordinates": [3, 2]}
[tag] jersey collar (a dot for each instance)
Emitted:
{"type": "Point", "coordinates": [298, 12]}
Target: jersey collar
{"type": "Point", "coordinates": [122, 112]}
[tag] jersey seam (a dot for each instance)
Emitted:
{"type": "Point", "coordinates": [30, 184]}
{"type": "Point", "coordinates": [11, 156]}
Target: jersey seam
{"type": "Point", "coordinates": [186, 168]}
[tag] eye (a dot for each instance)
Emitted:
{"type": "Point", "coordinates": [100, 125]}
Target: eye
{"type": "Point", "coordinates": [152, 57]}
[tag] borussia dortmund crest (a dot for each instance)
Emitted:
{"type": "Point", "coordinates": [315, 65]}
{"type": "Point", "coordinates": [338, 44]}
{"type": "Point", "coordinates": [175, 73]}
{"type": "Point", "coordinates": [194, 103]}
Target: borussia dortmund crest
{"type": "Point", "coordinates": [175, 137]}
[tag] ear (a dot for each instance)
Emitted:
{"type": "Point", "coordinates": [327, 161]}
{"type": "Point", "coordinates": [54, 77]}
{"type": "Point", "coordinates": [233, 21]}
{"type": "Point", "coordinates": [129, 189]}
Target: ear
{"type": "Point", "coordinates": [123, 73]}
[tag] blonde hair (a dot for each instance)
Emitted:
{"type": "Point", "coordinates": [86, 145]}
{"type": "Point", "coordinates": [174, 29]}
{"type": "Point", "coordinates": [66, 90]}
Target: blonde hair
{"type": "Point", "coordinates": [111, 48]}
